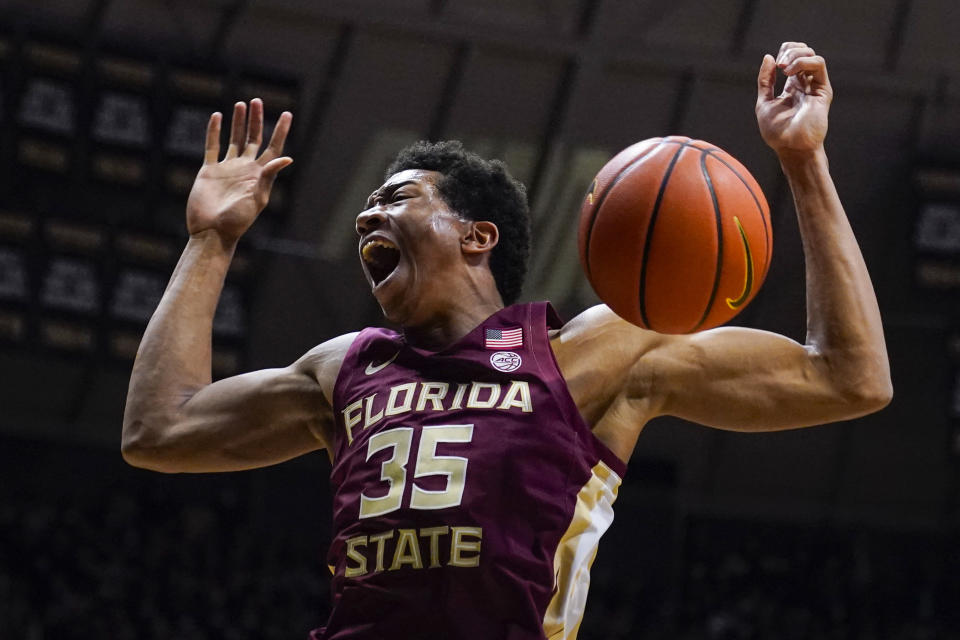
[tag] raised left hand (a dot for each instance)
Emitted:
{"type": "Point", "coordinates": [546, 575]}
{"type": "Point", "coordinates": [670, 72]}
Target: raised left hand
{"type": "Point", "coordinates": [229, 194]}
{"type": "Point", "coordinates": [796, 120]}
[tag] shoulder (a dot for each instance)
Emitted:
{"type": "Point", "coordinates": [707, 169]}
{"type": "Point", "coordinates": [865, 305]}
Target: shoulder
{"type": "Point", "coordinates": [599, 328]}
{"type": "Point", "coordinates": [599, 354]}
{"type": "Point", "coordinates": [323, 362]}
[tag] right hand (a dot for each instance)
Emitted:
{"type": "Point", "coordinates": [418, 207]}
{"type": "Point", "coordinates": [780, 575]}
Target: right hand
{"type": "Point", "coordinates": [229, 194]}
{"type": "Point", "coordinates": [796, 120]}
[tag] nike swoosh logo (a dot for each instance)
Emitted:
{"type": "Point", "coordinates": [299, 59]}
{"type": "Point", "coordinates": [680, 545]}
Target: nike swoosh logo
{"type": "Point", "coordinates": [736, 303]}
{"type": "Point", "coordinates": [593, 189]}
{"type": "Point", "coordinates": [373, 368]}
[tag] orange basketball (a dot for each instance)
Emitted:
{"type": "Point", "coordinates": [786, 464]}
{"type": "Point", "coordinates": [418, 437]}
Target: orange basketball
{"type": "Point", "coordinates": [675, 235]}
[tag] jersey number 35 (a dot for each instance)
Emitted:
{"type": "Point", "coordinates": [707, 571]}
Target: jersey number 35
{"type": "Point", "coordinates": [394, 470]}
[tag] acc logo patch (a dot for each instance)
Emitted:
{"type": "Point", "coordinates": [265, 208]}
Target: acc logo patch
{"type": "Point", "coordinates": [506, 361]}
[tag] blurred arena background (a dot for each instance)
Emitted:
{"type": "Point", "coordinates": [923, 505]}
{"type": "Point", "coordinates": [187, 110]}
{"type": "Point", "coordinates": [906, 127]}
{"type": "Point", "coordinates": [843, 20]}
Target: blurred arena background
{"type": "Point", "coordinates": [843, 531]}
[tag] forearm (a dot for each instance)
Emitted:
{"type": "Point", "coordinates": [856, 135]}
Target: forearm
{"type": "Point", "coordinates": [174, 358]}
{"type": "Point", "coordinates": [844, 329]}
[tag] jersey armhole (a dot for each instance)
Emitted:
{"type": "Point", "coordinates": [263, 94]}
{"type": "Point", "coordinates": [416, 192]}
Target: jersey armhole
{"type": "Point", "coordinates": [346, 373]}
{"type": "Point", "coordinates": [542, 317]}
{"type": "Point", "coordinates": [346, 369]}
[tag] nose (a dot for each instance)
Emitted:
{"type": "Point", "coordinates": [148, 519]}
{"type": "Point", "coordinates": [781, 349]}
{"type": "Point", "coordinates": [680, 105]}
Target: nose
{"type": "Point", "coordinates": [370, 220]}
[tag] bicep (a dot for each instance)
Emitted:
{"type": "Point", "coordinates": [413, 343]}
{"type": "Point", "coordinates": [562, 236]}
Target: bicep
{"type": "Point", "coordinates": [250, 420]}
{"type": "Point", "coordinates": [742, 379]}
{"type": "Point", "coordinates": [243, 422]}
{"type": "Point", "coordinates": [262, 417]}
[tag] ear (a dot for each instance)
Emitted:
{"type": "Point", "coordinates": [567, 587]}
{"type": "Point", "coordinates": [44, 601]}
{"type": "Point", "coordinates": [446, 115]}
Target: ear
{"type": "Point", "coordinates": [480, 237]}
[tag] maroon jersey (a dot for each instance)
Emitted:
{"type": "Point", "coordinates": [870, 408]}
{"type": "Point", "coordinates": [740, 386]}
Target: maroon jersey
{"type": "Point", "coordinates": [469, 493]}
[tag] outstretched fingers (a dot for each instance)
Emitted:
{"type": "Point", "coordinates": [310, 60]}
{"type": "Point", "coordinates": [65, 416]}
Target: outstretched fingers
{"type": "Point", "coordinates": [254, 129]}
{"type": "Point", "coordinates": [246, 136]}
{"type": "Point", "coordinates": [211, 151]}
{"type": "Point", "coordinates": [269, 174]}
{"type": "Point", "coordinates": [279, 138]}
{"type": "Point", "coordinates": [238, 130]}
{"type": "Point", "coordinates": [274, 167]}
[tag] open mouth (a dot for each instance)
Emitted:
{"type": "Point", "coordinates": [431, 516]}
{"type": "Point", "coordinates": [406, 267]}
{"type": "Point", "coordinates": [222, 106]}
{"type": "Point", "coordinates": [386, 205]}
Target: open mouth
{"type": "Point", "coordinates": [381, 257]}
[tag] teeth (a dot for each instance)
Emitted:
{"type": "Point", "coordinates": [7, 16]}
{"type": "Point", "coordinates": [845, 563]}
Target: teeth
{"type": "Point", "coordinates": [368, 248]}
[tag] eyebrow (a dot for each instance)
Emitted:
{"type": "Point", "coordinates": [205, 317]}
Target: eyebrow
{"type": "Point", "coordinates": [388, 189]}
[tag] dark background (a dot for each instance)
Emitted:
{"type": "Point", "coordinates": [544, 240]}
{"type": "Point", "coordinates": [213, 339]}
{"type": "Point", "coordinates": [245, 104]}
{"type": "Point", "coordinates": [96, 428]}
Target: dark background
{"type": "Point", "coordinates": [842, 531]}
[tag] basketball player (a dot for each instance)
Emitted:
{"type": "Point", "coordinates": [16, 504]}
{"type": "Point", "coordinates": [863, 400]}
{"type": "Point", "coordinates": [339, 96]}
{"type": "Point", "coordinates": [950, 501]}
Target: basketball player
{"type": "Point", "coordinates": [476, 453]}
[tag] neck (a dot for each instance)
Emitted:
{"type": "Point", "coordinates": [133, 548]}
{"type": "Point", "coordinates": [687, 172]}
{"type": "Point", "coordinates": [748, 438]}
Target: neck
{"type": "Point", "coordinates": [457, 315]}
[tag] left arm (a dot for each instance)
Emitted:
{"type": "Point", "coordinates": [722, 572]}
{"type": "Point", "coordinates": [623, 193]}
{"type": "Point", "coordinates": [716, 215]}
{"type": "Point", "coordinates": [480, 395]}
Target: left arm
{"type": "Point", "coordinates": [745, 379]}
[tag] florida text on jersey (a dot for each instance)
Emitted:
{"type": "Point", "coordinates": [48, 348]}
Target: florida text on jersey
{"type": "Point", "coordinates": [469, 493]}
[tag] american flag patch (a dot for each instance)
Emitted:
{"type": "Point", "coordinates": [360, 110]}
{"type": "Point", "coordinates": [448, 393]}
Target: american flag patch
{"type": "Point", "coordinates": [503, 338]}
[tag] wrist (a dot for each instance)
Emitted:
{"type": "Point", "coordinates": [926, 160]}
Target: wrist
{"type": "Point", "coordinates": [211, 240]}
{"type": "Point", "coordinates": [212, 248]}
{"type": "Point", "coordinates": [793, 160]}
{"type": "Point", "coordinates": [808, 174]}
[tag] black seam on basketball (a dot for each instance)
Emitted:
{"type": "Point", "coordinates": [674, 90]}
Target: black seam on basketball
{"type": "Point", "coordinates": [716, 213]}
{"type": "Point", "coordinates": [763, 218]}
{"type": "Point", "coordinates": [653, 221]}
{"type": "Point", "coordinates": [603, 196]}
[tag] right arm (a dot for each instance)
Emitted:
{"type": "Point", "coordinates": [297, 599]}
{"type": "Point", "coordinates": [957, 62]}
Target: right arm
{"type": "Point", "coordinates": [176, 419]}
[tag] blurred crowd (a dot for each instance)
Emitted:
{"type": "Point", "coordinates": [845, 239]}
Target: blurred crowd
{"type": "Point", "coordinates": [141, 561]}
{"type": "Point", "coordinates": [140, 567]}
{"type": "Point", "coordinates": [748, 580]}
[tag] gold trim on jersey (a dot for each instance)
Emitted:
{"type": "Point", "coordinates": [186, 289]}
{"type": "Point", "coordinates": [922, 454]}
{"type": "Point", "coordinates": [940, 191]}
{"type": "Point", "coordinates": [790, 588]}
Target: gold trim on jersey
{"type": "Point", "coordinates": [575, 553]}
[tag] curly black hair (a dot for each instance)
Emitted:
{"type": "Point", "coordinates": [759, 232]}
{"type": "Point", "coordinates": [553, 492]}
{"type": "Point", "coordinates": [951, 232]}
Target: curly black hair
{"type": "Point", "coordinates": [479, 189]}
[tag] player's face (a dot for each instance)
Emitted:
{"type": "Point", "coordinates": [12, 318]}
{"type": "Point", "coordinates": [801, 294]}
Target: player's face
{"type": "Point", "coordinates": [409, 244]}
